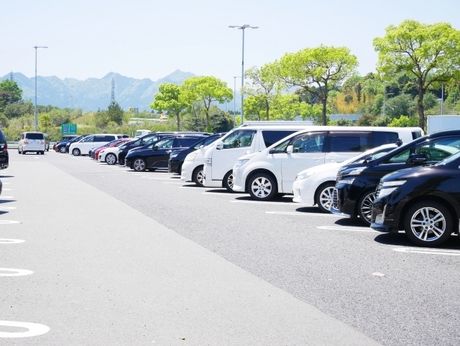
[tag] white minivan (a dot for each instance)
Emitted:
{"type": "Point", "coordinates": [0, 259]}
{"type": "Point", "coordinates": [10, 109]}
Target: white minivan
{"type": "Point", "coordinates": [249, 138]}
{"type": "Point", "coordinates": [32, 141]}
{"type": "Point", "coordinates": [89, 142]}
{"type": "Point", "coordinates": [273, 171]}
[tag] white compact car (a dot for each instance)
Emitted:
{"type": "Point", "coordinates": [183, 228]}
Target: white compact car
{"type": "Point", "coordinates": [315, 186]}
{"type": "Point", "coordinates": [32, 141]}
{"type": "Point", "coordinates": [89, 142]}
{"type": "Point", "coordinates": [193, 166]}
{"type": "Point", "coordinates": [109, 155]}
{"type": "Point", "coordinates": [274, 169]}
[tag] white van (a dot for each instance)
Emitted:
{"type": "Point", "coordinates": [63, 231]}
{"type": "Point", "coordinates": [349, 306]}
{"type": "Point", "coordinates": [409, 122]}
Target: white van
{"type": "Point", "coordinates": [32, 141]}
{"type": "Point", "coordinates": [273, 170]}
{"type": "Point", "coordinates": [89, 142]}
{"type": "Point", "coordinates": [249, 138]}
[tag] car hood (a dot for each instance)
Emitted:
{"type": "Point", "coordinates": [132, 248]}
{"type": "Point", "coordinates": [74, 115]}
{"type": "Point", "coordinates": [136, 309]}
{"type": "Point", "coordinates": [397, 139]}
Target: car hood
{"type": "Point", "coordinates": [332, 167]}
{"type": "Point", "coordinates": [247, 156]}
{"type": "Point", "coordinates": [408, 173]}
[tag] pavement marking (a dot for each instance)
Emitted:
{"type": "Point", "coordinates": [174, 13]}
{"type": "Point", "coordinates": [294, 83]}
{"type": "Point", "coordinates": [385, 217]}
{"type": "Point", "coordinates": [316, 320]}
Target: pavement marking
{"type": "Point", "coordinates": [7, 208]}
{"type": "Point", "coordinates": [33, 329]}
{"type": "Point", "coordinates": [7, 190]}
{"type": "Point", "coordinates": [7, 197]}
{"type": "Point", "coordinates": [155, 178]}
{"type": "Point", "coordinates": [6, 183]}
{"type": "Point", "coordinates": [347, 228]}
{"type": "Point", "coordinates": [260, 202]}
{"type": "Point", "coordinates": [8, 222]}
{"type": "Point", "coordinates": [172, 183]}
{"type": "Point", "coordinates": [428, 251]}
{"type": "Point", "coordinates": [299, 213]}
{"type": "Point", "coordinates": [11, 241]}
{"type": "Point", "coordinates": [15, 272]}
{"type": "Point", "coordinates": [378, 274]}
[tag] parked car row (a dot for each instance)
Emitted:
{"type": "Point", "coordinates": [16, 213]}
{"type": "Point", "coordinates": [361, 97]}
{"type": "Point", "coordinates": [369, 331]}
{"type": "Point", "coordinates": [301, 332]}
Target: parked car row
{"type": "Point", "coordinates": [339, 169]}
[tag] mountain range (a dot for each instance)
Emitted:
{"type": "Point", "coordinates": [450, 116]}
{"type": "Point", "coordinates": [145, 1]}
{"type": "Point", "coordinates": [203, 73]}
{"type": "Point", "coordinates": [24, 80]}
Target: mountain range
{"type": "Point", "coordinates": [94, 93]}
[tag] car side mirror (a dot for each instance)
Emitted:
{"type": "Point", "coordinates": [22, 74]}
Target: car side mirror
{"type": "Point", "coordinates": [290, 149]}
{"type": "Point", "coordinates": [155, 147]}
{"type": "Point", "coordinates": [220, 146]}
{"type": "Point", "coordinates": [417, 159]}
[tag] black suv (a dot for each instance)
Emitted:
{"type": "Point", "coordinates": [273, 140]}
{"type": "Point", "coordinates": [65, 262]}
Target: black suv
{"type": "Point", "coordinates": [424, 201]}
{"type": "Point", "coordinates": [60, 146]}
{"type": "Point", "coordinates": [4, 158]}
{"type": "Point", "coordinates": [356, 182]}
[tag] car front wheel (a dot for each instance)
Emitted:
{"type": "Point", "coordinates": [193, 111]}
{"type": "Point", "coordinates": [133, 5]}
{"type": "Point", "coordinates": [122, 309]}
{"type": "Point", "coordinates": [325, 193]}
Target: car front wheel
{"type": "Point", "coordinates": [110, 159]}
{"type": "Point", "coordinates": [228, 181]}
{"type": "Point", "coordinates": [428, 223]}
{"type": "Point", "coordinates": [139, 165]}
{"type": "Point", "coordinates": [365, 206]}
{"type": "Point", "coordinates": [324, 196]}
{"type": "Point", "coordinates": [62, 150]}
{"type": "Point", "coordinates": [198, 176]}
{"type": "Point", "coordinates": [262, 187]}
{"type": "Point", "coordinates": [76, 152]}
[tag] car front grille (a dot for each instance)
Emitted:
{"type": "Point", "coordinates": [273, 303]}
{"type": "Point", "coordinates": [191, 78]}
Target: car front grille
{"type": "Point", "coordinates": [335, 199]}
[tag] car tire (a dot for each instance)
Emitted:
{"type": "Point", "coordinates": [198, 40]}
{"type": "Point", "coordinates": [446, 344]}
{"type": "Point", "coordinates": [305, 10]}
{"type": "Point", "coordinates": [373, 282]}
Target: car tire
{"type": "Point", "coordinates": [428, 223]}
{"type": "Point", "coordinates": [76, 152]}
{"type": "Point", "coordinates": [365, 207]}
{"type": "Point", "coordinates": [62, 150]}
{"type": "Point", "coordinates": [227, 182]}
{"type": "Point", "coordinates": [110, 159]}
{"type": "Point", "coordinates": [198, 176]}
{"type": "Point", "coordinates": [139, 165]}
{"type": "Point", "coordinates": [324, 196]}
{"type": "Point", "coordinates": [262, 186]}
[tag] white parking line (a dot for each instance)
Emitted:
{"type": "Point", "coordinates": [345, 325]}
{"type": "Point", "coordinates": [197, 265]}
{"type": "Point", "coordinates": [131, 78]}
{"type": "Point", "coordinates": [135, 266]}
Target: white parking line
{"type": "Point", "coordinates": [298, 213]}
{"type": "Point", "coordinates": [260, 202]}
{"type": "Point", "coordinates": [347, 228]}
{"type": "Point", "coordinates": [11, 241]}
{"type": "Point", "coordinates": [33, 329]}
{"type": "Point", "coordinates": [6, 197]}
{"type": "Point", "coordinates": [15, 272]}
{"type": "Point", "coordinates": [428, 251]}
{"type": "Point", "coordinates": [7, 208]}
{"type": "Point", "coordinates": [172, 183]}
{"type": "Point", "coordinates": [7, 189]}
{"type": "Point", "coordinates": [8, 222]}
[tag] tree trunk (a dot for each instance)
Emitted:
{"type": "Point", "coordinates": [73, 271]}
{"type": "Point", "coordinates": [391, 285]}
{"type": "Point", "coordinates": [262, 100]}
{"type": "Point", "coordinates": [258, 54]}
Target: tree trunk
{"type": "Point", "coordinates": [420, 106]}
{"type": "Point", "coordinates": [267, 109]}
{"type": "Point", "coordinates": [324, 116]}
{"type": "Point", "coordinates": [207, 120]}
{"type": "Point", "coordinates": [178, 121]}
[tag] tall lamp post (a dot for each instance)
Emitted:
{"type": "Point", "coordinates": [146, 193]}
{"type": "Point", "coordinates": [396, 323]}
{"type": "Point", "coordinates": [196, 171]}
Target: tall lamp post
{"type": "Point", "coordinates": [35, 106]}
{"type": "Point", "coordinates": [234, 99]}
{"type": "Point", "coordinates": [242, 28]}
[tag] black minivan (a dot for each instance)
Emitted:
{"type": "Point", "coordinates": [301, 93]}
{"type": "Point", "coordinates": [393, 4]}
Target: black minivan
{"type": "Point", "coordinates": [4, 158]}
{"type": "Point", "coordinates": [356, 182]}
{"type": "Point", "coordinates": [424, 201]}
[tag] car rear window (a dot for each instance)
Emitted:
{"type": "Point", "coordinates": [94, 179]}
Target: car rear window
{"type": "Point", "coordinates": [185, 142]}
{"type": "Point", "coordinates": [349, 141]}
{"type": "Point", "coordinates": [271, 137]}
{"type": "Point", "coordinates": [379, 138]}
{"type": "Point", "coordinates": [34, 136]}
{"type": "Point", "coordinates": [2, 137]}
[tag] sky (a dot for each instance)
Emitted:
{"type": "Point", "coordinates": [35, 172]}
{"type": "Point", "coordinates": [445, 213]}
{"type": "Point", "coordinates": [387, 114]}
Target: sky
{"type": "Point", "coordinates": [150, 38]}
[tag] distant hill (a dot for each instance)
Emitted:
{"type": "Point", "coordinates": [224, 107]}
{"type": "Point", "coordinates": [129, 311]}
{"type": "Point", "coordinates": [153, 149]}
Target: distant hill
{"type": "Point", "coordinates": [93, 93]}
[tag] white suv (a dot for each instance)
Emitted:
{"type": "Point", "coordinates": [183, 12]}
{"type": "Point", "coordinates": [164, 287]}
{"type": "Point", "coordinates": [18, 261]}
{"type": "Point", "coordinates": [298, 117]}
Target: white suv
{"type": "Point", "coordinates": [273, 171]}
{"type": "Point", "coordinates": [32, 141]}
{"type": "Point", "coordinates": [89, 142]}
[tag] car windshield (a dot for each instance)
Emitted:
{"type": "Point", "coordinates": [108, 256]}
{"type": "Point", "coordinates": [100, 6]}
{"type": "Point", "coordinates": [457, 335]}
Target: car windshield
{"type": "Point", "coordinates": [370, 154]}
{"type": "Point", "coordinates": [449, 160]}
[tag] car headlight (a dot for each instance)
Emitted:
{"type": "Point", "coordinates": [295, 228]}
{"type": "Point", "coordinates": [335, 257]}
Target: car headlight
{"type": "Point", "coordinates": [388, 187]}
{"type": "Point", "coordinates": [173, 155]}
{"type": "Point", "coordinates": [303, 175]}
{"type": "Point", "coordinates": [240, 163]}
{"type": "Point", "coordinates": [191, 156]}
{"type": "Point", "coordinates": [356, 171]}
{"type": "Point", "coordinates": [347, 181]}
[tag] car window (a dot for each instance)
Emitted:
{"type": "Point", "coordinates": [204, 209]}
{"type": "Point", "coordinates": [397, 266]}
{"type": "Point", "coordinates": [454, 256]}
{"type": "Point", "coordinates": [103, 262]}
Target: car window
{"type": "Point", "coordinates": [309, 143]}
{"type": "Point", "coordinates": [88, 139]}
{"type": "Point", "coordinates": [99, 139]}
{"type": "Point", "coordinates": [165, 143]}
{"type": "Point", "coordinates": [149, 140]}
{"type": "Point", "coordinates": [185, 142]}
{"type": "Point", "coordinates": [348, 141]}
{"type": "Point", "coordinates": [272, 136]}
{"type": "Point", "coordinates": [34, 136]}
{"type": "Point", "coordinates": [239, 139]}
{"type": "Point", "coordinates": [380, 137]}
{"type": "Point", "coordinates": [435, 150]}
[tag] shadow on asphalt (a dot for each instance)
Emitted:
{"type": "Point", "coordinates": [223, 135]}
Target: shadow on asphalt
{"type": "Point", "coordinates": [400, 239]}
{"type": "Point", "coordinates": [276, 199]}
{"type": "Point", "coordinates": [218, 191]}
{"type": "Point", "coordinates": [2, 212]}
{"type": "Point", "coordinates": [7, 200]}
{"type": "Point", "coordinates": [310, 210]}
{"type": "Point", "coordinates": [351, 222]}
{"type": "Point", "coordinates": [6, 176]}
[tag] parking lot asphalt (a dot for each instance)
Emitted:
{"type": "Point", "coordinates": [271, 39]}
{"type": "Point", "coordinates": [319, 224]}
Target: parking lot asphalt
{"type": "Point", "coordinates": [118, 257]}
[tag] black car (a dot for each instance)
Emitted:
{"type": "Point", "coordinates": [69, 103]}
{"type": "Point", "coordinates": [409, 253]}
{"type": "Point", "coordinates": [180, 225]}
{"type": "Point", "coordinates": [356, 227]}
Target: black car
{"type": "Point", "coordinates": [177, 157]}
{"type": "Point", "coordinates": [63, 145]}
{"type": "Point", "coordinates": [147, 139]}
{"type": "Point", "coordinates": [356, 183]}
{"type": "Point", "coordinates": [4, 158]}
{"type": "Point", "coordinates": [423, 201]}
{"type": "Point", "coordinates": [156, 155]}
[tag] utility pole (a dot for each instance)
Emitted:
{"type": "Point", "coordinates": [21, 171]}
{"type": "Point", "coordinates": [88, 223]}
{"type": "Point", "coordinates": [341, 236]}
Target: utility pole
{"type": "Point", "coordinates": [35, 104]}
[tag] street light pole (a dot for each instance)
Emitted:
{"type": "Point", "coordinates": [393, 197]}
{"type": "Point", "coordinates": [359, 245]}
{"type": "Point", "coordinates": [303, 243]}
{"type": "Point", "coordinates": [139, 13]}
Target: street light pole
{"type": "Point", "coordinates": [35, 105]}
{"type": "Point", "coordinates": [242, 28]}
{"type": "Point", "coordinates": [234, 99]}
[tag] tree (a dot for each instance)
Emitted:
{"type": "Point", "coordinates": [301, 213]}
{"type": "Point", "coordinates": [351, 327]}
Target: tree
{"type": "Point", "coordinates": [169, 99]}
{"type": "Point", "coordinates": [206, 90]}
{"type": "Point", "coordinates": [318, 71]}
{"type": "Point", "coordinates": [115, 113]}
{"type": "Point", "coordinates": [263, 82]}
{"type": "Point", "coordinates": [430, 52]}
{"type": "Point", "coordinates": [9, 93]}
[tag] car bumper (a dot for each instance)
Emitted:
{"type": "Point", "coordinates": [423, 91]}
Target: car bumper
{"type": "Point", "coordinates": [239, 180]}
{"type": "Point", "coordinates": [346, 203]}
{"type": "Point", "coordinates": [303, 193]}
{"type": "Point", "coordinates": [174, 166]}
{"type": "Point", "coordinates": [385, 217]}
{"type": "Point", "coordinates": [33, 147]}
{"type": "Point", "coordinates": [208, 182]}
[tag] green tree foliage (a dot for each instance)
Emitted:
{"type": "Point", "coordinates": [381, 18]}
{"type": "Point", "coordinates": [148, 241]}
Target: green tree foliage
{"type": "Point", "coordinates": [10, 93]}
{"type": "Point", "coordinates": [403, 121]}
{"type": "Point", "coordinates": [169, 99]}
{"type": "Point", "coordinates": [206, 90]}
{"type": "Point", "coordinates": [115, 113]}
{"type": "Point", "coordinates": [318, 71]}
{"type": "Point", "coordinates": [430, 52]}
